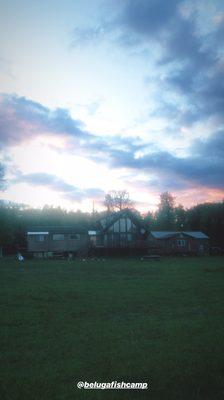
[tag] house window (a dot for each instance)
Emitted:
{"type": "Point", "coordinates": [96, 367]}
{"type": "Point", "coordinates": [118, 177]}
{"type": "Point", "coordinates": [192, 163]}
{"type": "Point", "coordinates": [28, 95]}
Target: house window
{"type": "Point", "coordinates": [122, 225]}
{"type": "Point", "coordinates": [129, 237]}
{"type": "Point", "coordinates": [116, 227]}
{"type": "Point", "coordinates": [74, 236]}
{"type": "Point", "coordinates": [129, 225]}
{"type": "Point", "coordinates": [40, 238]}
{"type": "Point", "coordinates": [58, 236]}
{"type": "Point", "coordinates": [181, 243]}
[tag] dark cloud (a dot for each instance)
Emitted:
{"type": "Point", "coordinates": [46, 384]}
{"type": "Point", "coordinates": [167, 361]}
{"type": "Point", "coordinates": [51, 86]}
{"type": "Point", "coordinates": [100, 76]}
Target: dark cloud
{"type": "Point", "coordinates": [160, 184]}
{"type": "Point", "coordinates": [205, 165]}
{"type": "Point", "coordinates": [22, 119]}
{"type": "Point", "coordinates": [70, 192]}
{"type": "Point", "coordinates": [205, 94]}
{"type": "Point", "coordinates": [147, 18]}
{"type": "Point", "coordinates": [197, 68]}
{"type": "Point", "coordinates": [200, 80]}
{"type": "Point", "coordinates": [184, 44]}
{"type": "Point", "coordinates": [130, 23]}
{"type": "Point", "coordinates": [191, 57]}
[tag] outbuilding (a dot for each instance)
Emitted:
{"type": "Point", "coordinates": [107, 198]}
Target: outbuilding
{"type": "Point", "coordinates": [49, 241]}
{"type": "Point", "coordinates": [173, 242]}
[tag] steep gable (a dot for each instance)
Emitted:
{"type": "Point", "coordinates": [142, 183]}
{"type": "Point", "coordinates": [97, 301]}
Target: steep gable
{"type": "Point", "coordinates": [121, 221]}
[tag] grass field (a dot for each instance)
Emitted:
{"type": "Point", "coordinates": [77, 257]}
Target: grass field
{"type": "Point", "coordinates": [125, 320]}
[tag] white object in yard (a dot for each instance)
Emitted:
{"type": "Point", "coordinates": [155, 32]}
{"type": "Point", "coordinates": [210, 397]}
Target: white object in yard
{"type": "Point", "coordinates": [20, 257]}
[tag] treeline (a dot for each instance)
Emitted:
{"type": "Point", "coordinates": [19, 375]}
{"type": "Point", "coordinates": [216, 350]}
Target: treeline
{"type": "Point", "coordinates": [206, 217]}
{"type": "Point", "coordinates": [16, 219]}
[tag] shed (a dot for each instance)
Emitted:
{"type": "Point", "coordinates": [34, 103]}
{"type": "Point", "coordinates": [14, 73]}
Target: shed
{"type": "Point", "coordinates": [175, 242]}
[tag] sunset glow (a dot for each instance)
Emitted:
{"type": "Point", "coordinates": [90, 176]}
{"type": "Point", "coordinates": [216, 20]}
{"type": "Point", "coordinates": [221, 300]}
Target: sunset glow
{"type": "Point", "coordinates": [112, 95]}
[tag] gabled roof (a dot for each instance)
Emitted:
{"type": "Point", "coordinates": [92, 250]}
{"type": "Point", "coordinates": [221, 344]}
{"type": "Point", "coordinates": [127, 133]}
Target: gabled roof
{"type": "Point", "coordinates": [58, 229]}
{"type": "Point", "coordinates": [105, 222]}
{"type": "Point", "coordinates": [169, 234]}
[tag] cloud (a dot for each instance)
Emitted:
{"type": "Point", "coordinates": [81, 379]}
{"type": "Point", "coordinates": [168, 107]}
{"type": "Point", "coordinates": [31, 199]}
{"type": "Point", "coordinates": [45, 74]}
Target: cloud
{"type": "Point", "coordinates": [147, 18]}
{"type": "Point", "coordinates": [2, 177]}
{"type": "Point", "coordinates": [27, 119]}
{"type": "Point", "coordinates": [50, 181]}
{"type": "Point", "coordinates": [193, 59]}
{"type": "Point", "coordinates": [130, 22]}
{"type": "Point", "coordinates": [189, 58]}
{"type": "Point", "coordinates": [23, 119]}
{"type": "Point", "coordinates": [205, 165]}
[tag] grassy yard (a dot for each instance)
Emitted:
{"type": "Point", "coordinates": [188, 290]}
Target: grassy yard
{"type": "Point", "coordinates": [125, 320]}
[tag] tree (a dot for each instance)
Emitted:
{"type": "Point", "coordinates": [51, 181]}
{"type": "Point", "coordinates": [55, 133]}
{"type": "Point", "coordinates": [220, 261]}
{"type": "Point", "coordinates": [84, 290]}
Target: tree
{"type": "Point", "coordinates": [117, 200]}
{"type": "Point", "coordinates": [109, 203]}
{"type": "Point", "coordinates": [166, 211]}
{"type": "Point", "coordinates": [2, 187]}
{"type": "Point", "coordinates": [149, 220]}
{"type": "Point", "coordinates": [180, 217]}
{"type": "Point", "coordinates": [208, 218]}
{"type": "Point", "coordinates": [8, 221]}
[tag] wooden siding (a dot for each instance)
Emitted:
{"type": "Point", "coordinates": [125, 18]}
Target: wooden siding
{"type": "Point", "coordinates": [50, 245]}
{"type": "Point", "coordinates": [172, 245]}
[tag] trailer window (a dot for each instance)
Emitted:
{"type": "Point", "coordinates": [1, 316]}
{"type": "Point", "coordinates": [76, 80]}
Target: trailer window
{"type": "Point", "coordinates": [74, 236]}
{"type": "Point", "coordinates": [40, 238]}
{"type": "Point", "coordinates": [58, 236]}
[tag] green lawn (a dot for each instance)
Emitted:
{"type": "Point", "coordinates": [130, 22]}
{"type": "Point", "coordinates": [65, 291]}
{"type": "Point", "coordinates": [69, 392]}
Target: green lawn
{"type": "Point", "coordinates": [125, 320]}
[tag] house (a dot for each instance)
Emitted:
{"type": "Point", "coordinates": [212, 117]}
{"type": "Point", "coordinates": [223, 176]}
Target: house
{"type": "Point", "coordinates": [171, 242]}
{"type": "Point", "coordinates": [122, 231]}
{"type": "Point", "coordinates": [47, 241]}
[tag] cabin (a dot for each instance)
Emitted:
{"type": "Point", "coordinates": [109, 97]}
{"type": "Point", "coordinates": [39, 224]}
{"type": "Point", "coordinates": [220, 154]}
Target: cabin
{"type": "Point", "coordinates": [50, 241]}
{"type": "Point", "coordinates": [122, 231]}
{"type": "Point", "coordinates": [171, 242]}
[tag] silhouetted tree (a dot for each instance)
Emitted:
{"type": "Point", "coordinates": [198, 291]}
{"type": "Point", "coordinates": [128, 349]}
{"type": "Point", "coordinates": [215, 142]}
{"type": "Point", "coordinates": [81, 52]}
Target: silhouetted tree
{"type": "Point", "coordinates": [117, 200]}
{"type": "Point", "coordinates": [180, 217]}
{"type": "Point", "coordinates": [15, 219]}
{"type": "Point", "coordinates": [166, 213]}
{"type": "Point", "coordinates": [209, 218]}
{"type": "Point", "coordinates": [150, 221]}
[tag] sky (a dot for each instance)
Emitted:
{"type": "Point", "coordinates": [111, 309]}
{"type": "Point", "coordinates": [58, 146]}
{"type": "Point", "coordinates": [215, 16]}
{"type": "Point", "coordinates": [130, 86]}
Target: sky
{"type": "Point", "coordinates": [101, 95]}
